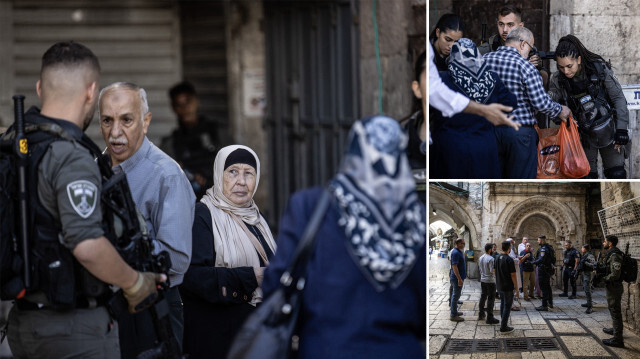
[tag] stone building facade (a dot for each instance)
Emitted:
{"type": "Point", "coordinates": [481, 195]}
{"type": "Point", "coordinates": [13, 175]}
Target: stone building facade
{"type": "Point", "coordinates": [493, 211]}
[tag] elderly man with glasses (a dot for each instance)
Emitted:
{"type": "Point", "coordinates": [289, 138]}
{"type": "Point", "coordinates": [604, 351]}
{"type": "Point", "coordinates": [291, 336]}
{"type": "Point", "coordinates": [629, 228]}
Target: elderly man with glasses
{"type": "Point", "coordinates": [517, 150]}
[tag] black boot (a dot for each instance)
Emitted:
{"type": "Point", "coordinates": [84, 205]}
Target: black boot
{"type": "Point", "coordinates": [614, 342]}
{"type": "Point", "coordinates": [563, 295]}
{"type": "Point", "coordinates": [608, 331]}
{"type": "Point", "coordinates": [589, 310]}
{"type": "Point", "coordinates": [492, 320]}
{"type": "Point", "coordinates": [481, 315]}
{"type": "Point", "coordinates": [585, 305]}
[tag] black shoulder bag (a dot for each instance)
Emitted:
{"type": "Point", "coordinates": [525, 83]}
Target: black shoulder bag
{"type": "Point", "coordinates": [268, 333]}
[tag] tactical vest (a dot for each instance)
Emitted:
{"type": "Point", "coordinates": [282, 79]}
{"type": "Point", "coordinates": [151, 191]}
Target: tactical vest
{"type": "Point", "coordinates": [615, 250]}
{"type": "Point", "coordinates": [590, 103]}
{"type": "Point", "coordinates": [54, 270]}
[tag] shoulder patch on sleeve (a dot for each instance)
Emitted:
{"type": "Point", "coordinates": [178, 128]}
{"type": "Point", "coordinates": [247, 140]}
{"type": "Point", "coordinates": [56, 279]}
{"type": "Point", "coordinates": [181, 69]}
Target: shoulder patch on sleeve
{"type": "Point", "coordinates": [82, 196]}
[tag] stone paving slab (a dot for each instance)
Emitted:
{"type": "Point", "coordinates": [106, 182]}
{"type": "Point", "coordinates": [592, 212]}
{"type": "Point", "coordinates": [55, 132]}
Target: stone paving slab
{"type": "Point", "coordinates": [567, 327]}
{"type": "Point", "coordinates": [532, 355]}
{"type": "Point", "coordinates": [538, 333]}
{"type": "Point", "coordinates": [437, 331]}
{"type": "Point", "coordinates": [554, 355]}
{"type": "Point", "coordinates": [584, 346]}
{"type": "Point", "coordinates": [485, 332]}
{"type": "Point", "coordinates": [436, 343]}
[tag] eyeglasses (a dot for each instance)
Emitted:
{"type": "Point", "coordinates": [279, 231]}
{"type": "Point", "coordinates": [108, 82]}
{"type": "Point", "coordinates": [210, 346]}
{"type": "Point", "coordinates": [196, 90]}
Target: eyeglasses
{"type": "Point", "coordinates": [525, 41]}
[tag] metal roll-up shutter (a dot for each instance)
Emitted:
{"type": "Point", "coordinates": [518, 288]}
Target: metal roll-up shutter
{"type": "Point", "coordinates": [136, 41]}
{"type": "Point", "coordinates": [204, 57]}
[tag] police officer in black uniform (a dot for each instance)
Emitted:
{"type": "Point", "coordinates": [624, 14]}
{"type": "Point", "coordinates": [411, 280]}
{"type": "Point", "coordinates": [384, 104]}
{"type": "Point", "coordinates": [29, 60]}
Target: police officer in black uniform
{"type": "Point", "coordinates": [569, 269]}
{"type": "Point", "coordinates": [545, 265]}
{"type": "Point", "coordinates": [586, 83]}
{"type": "Point", "coordinates": [613, 285]}
{"type": "Point", "coordinates": [196, 141]}
{"type": "Point", "coordinates": [64, 315]}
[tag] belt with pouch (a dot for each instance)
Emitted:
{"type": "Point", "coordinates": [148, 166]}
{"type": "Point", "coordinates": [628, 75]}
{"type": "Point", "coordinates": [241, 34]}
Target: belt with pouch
{"type": "Point", "coordinates": [81, 303]}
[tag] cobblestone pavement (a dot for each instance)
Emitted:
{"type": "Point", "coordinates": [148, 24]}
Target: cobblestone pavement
{"type": "Point", "coordinates": [563, 332]}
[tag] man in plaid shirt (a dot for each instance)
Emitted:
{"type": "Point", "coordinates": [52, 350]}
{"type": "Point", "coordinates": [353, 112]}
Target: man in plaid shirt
{"type": "Point", "coordinates": [518, 149]}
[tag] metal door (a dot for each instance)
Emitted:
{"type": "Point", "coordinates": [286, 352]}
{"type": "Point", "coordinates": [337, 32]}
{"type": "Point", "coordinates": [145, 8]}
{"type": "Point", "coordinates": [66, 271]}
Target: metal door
{"type": "Point", "coordinates": [312, 92]}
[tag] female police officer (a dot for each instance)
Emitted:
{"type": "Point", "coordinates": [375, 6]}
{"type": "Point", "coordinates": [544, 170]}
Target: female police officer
{"type": "Point", "coordinates": [586, 83]}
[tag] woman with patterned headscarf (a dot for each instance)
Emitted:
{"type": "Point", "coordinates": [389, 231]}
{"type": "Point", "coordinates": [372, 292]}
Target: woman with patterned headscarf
{"type": "Point", "coordinates": [232, 245]}
{"type": "Point", "coordinates": [464, 146]}
{"type": "Point", "coordinates": [365, 291]}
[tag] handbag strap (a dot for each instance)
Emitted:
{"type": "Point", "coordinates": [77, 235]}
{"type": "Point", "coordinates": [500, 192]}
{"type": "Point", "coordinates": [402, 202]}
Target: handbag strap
{"type": "Point", "coordinates": [298, 264]}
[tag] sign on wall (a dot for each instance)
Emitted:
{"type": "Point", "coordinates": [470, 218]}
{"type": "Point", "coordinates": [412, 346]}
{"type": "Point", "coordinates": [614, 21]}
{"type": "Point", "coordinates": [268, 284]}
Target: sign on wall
{"type": "Point", "coordinates": [632, 94]}
{"type": "Point", "coordinates": [254, 96]}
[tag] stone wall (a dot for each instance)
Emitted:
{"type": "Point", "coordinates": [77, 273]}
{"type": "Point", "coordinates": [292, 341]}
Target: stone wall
{"type": "Point", "coordinates": [245, 40]}
{"type": "Point", "coordinates": [395, 21]}
{"type": "Point", "coordinates": [614, 193]}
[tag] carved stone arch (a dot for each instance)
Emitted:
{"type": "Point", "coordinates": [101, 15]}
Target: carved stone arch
{"type": "Point", "coordinates": [558, 214]}
{"type": "Point", "coordinates": [455, 210]}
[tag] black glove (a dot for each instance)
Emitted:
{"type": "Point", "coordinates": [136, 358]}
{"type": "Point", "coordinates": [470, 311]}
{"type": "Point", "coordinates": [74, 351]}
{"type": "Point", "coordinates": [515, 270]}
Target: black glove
{"type": "Point", "coordinates": [621, 137]}
{"type": "Point", "coordinates": [574, 273]}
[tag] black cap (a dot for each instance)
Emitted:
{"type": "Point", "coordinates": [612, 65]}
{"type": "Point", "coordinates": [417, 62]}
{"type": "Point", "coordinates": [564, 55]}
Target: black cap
{"type": "Point", "coordinates": [240, 156]}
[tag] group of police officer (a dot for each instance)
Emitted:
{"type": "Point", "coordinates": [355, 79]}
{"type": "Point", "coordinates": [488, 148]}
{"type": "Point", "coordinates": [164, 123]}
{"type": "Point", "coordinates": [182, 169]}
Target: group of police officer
{"type": "Point", "coordinates": [608, 270]}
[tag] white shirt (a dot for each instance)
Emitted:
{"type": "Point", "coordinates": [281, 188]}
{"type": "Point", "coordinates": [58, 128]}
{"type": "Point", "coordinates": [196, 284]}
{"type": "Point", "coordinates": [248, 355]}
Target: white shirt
{"type": "Point", "coordinates": [441, 96]}
{"type": "Point", "coordinates": [521, 248]}
{"type": "Point", "coordinates": [512, 253]}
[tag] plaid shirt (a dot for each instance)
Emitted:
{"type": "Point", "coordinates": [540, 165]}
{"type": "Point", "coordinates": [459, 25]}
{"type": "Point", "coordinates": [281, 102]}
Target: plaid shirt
{"type": "Point", "coordinates": [524, 81]}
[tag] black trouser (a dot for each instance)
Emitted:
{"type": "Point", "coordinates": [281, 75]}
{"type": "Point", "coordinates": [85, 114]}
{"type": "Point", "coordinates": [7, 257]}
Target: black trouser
{"type": "Point", "coordinates": [488, 295]}
{"type": "Point", "coordinates": [566, 277]}
{"type": "Point", "coordinates": [137, 333]}
{"type": "Point", "coordinates": [544, 281]}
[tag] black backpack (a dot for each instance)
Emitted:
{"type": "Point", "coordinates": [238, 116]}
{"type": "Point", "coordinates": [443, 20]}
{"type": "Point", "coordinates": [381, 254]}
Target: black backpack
{"type": "Point", "coordinates": [11, 283]}
{"type": "Point", "coordinates": [629, 272]}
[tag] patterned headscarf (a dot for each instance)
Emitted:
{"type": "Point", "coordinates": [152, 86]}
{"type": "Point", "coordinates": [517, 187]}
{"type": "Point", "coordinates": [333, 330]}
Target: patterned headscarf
{"type": "Point", "coordinates": [469, 71]}
{"type": "Point", "coordinates": [380, 213]}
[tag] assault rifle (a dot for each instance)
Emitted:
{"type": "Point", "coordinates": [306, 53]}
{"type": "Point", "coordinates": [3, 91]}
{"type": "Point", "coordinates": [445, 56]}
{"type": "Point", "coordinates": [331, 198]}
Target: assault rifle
{"type": "Point", "coordinates": [15, 231]}
{"type": "Point", "coordinates": [21, 150]}
{"type": "Point", "coordinates": [136, 248]}
{"type": "Point", "coordinates": [601, 270]}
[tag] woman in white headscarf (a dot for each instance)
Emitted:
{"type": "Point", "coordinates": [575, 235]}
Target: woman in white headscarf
{"type": "Point", "coordinates": [232, 245]}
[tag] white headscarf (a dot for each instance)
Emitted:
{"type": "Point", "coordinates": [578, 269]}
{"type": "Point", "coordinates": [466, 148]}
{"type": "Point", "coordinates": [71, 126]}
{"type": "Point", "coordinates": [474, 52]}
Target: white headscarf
{"type": "Point", "coordinates": [234, 244]}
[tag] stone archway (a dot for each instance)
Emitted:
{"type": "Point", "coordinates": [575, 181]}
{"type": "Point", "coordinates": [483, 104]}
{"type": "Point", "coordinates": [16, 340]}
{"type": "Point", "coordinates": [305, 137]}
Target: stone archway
{"type": "Point", "coordinates": [555, 213]}
{"type": "Point", "coordinates": [456, 211]}
{"type": "Point", "coordinates": [541, 215]}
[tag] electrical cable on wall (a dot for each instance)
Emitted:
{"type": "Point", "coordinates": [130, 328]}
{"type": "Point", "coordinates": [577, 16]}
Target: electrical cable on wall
{"type": "Point", "coordinates": [435, 7]}
{"type": "Point", "coordinates": [375, 28]}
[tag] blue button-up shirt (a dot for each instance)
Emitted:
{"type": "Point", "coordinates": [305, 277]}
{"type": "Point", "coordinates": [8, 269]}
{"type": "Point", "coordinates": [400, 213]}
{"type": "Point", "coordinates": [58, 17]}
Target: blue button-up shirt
{"type": "Point", "coordinates": [524, 81]}
{"type": "Point", "coordinates": [165, 198]}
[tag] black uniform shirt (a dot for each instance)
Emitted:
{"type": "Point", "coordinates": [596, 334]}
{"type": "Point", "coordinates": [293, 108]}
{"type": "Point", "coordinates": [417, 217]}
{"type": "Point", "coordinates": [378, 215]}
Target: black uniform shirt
{"type": "Point", "coordinates": [570, 257]}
